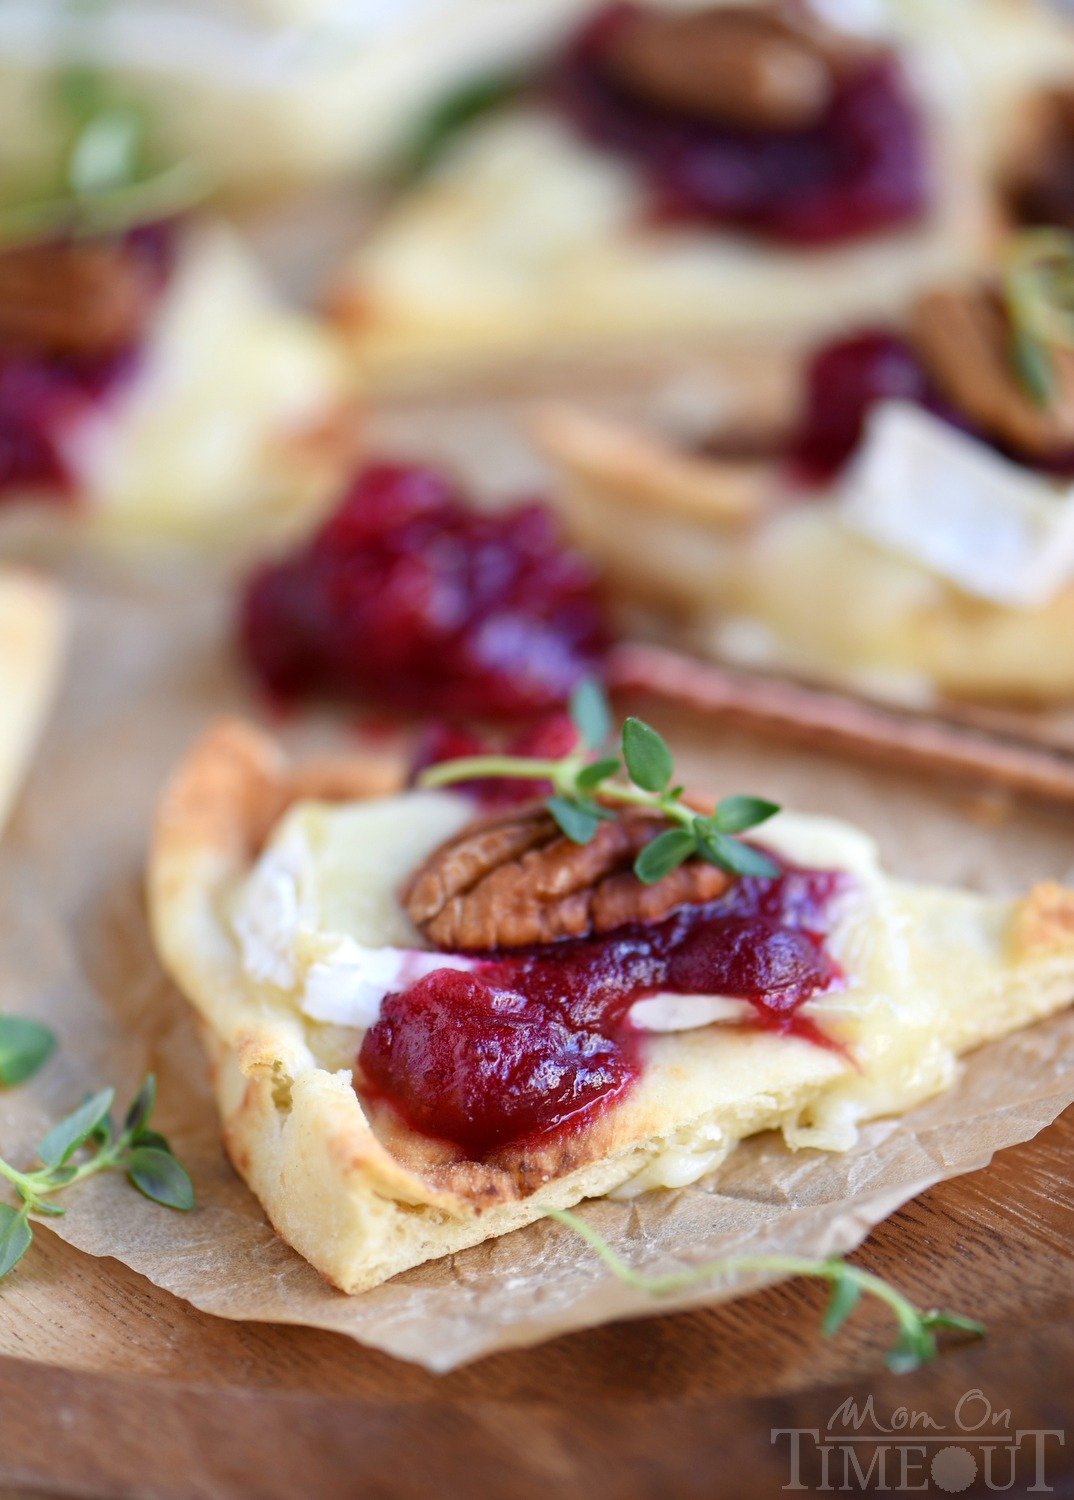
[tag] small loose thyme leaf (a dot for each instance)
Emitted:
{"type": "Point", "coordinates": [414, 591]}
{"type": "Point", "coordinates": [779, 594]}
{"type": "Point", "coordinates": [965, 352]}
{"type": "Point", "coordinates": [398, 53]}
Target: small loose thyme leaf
{"type": "Point", "coordinates": [16, 1236]}
{"type": "Point", "coordinates": [159, 1176]}
{"type": "Point", "coordinates": [1034, 367]}
{"type": "Point", "coordinates": [846, 1295]}
{"type": "Point", "coordinates": [590, 714]}
{"type": "Point", "coordinates": [64, 1139]}
{"type": "Point", "coordinates": [732, 855]}
{"type": "Point", "coordinates": [450, 117]}
{"type": "Point", "coordinates": [736, 814]}
{"type": "Point", "coordinates": [141, 1106]}
{"type": "Point", "coordinates": [25, 1047]}
{"type": "Point", "coordinates": [648, 759]}
{"type": "Point", "coordinates": [1038, 293]}
{"type": "Point", "coordinates": [916, 1341]}
{"type": "Point", "coordinates": [663, 854]}
{"type": "Point", "coordinates": [577, 821]}
{"type": "Point", "coordinates": [590, 777]}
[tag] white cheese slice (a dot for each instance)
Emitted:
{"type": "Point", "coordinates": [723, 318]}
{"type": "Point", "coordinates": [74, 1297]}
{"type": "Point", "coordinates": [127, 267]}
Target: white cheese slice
{"type": "Point", "coordinates": [929, 493]}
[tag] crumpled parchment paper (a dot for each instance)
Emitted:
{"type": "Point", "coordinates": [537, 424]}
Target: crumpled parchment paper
{"type": "Point", "coordinates": [150, 664]}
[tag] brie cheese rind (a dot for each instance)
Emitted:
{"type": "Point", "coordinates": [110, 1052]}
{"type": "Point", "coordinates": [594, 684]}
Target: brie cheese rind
{"type": "Point", "coordinates": [237, 416]}
{"type": "Point", "coordinates": [526, 241]}
{"type": "Point", "coordinates": [31, 646]}
{"type": "Point", "coordinates": [930, 974]}
{"type": "Point", "coordinates": [815, 585]}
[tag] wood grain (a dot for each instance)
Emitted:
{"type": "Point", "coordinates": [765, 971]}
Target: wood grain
{"type": "Point", "coordinates": [683, 1405]}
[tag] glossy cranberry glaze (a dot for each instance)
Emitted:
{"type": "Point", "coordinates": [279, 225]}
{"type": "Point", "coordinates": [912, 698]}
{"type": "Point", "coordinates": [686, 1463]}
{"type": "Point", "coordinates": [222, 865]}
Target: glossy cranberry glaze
{"type": "Point", "coordinates": [846, 379]}
{"type": "Point", "coordinates": [410, 596]}
{"type": "Point", "coordinates": [537, 1041]}
{"type": "Point", "coordinates": [861, 169]}
{"type": "Point", "coordinates": [43, 397]}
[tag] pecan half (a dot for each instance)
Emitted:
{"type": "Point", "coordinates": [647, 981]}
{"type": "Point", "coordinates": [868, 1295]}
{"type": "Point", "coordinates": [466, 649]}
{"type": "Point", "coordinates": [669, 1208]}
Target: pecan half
{"type": "Point", "coordinates": [963, 339]}
{"type": "Point", "coordinates": [74, 298]}
{"type": "Point", "coordinates": [517, 880]}
{"type": "Point", "coordinates": [758, 67]}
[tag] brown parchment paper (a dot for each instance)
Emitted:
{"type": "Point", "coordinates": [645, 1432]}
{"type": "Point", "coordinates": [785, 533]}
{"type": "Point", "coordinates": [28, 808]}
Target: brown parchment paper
{"type": "Point", "coordinates": [149, 664]}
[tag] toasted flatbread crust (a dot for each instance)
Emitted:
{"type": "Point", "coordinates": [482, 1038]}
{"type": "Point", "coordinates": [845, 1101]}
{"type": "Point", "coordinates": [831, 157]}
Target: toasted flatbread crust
{"type": "Point", "coordinates": [296, 1130]}
{"type": "Point", "coordinates": [31, 642]}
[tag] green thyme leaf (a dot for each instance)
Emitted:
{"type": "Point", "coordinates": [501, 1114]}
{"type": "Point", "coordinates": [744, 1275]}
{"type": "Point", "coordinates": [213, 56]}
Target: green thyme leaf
{"type": "Point", "coordinates": [141, 1107]}
{"type": "Point", "coordinates": [648, 759]}
{"type": "Point", "coordinates": [734, 857]}
{"type": "Point", "coordinates": [663, 854]}
{"type": "Point", "coordinates": [590, 714]}
{"type": "Point", "coordinates": [64, 1139]}
{"type": "Point", "coordinates": [590, 777]}
{"type": "Point", "coordinates": [159, 1176]}
{"type": "Point", "coordinates": [957, 1322]}
{"type": "Point", "coordinates": [846, 1295]}
{"type": "Point", "coordinates": [449, 118]}
{"type": "Point", "coordinates": [1034, 367]}
{"type": "Point", "coordinates": [152, 1138]}
{"type": "Point", "coordinates": [16, 1237]}
{"type": "Point", "coordinates": [107, 152]}
{"type": "Point", "coordinates": [736, 814]}
{"type": "Point", "coordinates": [916, 1346]}
{"type": "Point", "coordinates": [25, 1047]}
{"type": "Point", "coordinates": [577, 821]}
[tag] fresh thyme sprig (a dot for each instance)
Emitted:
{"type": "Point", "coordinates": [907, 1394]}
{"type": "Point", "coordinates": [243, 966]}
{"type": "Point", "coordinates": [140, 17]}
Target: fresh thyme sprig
{"type": "Point", "coordinates": [89, 1134]}
{"type": "Point", "coordinates": [588, 786]}
{"type": "Point", "coordinates": [1038, 291]}
{"type": "Point", "coordinates": [916, 1343]}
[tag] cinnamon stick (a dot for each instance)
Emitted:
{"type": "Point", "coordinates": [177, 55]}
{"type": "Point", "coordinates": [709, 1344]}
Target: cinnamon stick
{"type": "Point", "coordinates": [836, 723]}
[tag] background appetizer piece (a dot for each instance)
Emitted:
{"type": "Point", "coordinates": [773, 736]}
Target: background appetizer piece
{"type": "Point", "coordinates": [683, 173]}
{"type": "Point", "coordinates": [907, 526]}
{"type": "Point", "coordinates": [149, 377]}
{"type": "Point", "coordinates": [31, 645]}
{"type": "Point", "coordinates": [267, 93]}
{"type": "Point", "coordinates": [405, 1067]}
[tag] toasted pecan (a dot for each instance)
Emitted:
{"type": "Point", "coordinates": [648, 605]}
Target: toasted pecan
{"type": "Point", "coordinates": [757, 67]}
{"type": "Point", "coordinates": [89, 297]}
{"type": "Point", "coordinates": [962, 335]}
{"type": "Point", "coordinates": [517, 880]}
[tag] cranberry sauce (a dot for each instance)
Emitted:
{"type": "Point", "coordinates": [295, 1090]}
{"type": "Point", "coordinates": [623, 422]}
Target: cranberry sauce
{"type": "Point", "coordinates": [846, 379]}
{"type": "Point", "coordinates": [537, 1041]}
{"type": "Point", "coordinates": [860, 169]}
{"type": "Point", "coordinates": [409, 595]}
{"type": "Point", "coordinates": [42, 396]}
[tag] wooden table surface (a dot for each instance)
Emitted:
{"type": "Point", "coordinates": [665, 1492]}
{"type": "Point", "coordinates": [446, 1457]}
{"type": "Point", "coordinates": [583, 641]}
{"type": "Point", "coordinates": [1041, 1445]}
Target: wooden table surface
{"type": "Point", "coordinates": [111, 1387]}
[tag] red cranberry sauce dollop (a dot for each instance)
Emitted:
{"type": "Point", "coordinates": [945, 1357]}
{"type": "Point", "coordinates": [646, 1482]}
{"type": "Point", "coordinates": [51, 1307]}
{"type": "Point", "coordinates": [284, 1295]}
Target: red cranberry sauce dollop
{"type": "Point", "coordinates": [846, 379]}
{"type": "Point", "coordinates": [538, 1041]}
{"type": "Point", "coordinates": [861, 169]}
{"type": "Point", "coordinates": [410, 596]}
{"type": "Point", "coordinates": [43, 396]}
